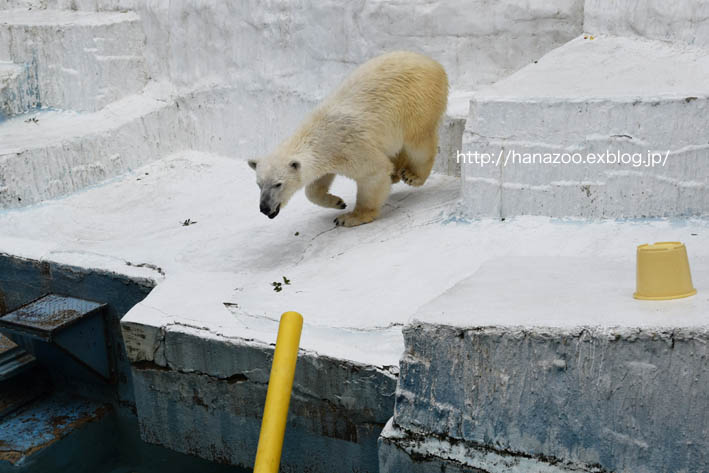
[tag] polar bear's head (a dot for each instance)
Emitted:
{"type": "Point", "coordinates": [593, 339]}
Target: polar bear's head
{"type": "Point", "coordinates": [278, 180]}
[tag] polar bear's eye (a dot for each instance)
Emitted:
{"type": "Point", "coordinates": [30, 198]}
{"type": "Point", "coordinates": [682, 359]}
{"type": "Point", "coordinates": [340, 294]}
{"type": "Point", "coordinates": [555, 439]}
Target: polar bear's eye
{"type": "Point", "coordinates": [278, 185]}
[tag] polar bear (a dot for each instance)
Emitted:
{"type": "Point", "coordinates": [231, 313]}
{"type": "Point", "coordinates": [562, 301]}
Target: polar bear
{"type": "Point", "coordinates": [380, 126]}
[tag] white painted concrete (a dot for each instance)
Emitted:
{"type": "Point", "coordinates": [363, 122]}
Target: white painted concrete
{"type": "Point", "coordinates": [147, 80]}
{"type": "Point", "coordinates": [608, 67]}
{"type": "Point", "coordinates": [566, 293]}
{"type": "Point", "coordinates": [98, 57]}
{"type": "Point", "coordinates": [18, 89]}
{"type": "Point", "coordinates": [683, 20]}
{"type": "Point", "coordinates": [397, 447]}
{"type": "Point", "coordinates": [49, 153]}
{"type": "Point", "coordinates": [600, 96]}
{"type": "Point", "coordinates": [310, 46]}
{"type": "Point", "coordinates": [245, 73]}
{"type": "Point", "coordinates": [355, 287]}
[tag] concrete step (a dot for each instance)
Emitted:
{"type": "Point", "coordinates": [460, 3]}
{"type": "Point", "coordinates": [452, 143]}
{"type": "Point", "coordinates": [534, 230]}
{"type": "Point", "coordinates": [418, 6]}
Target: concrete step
{"type": "Point", "coordinates": [81, 60]}
{"type": "Point", "coordinates": [59, 432]}
{"type": "Point", "coordinates": [639, 101]}
{"type": "Point", "coordinates": [18, 89]}
{"type": "Point", "coordinates": [450, 140]}
{"type": "Point", "coordinates": [450, 133]}
{"type": "Point", "coordinates": [13, 359]}
{"type": "Point", "coordinates": [683, 20]}
{"type": "Point", "coordinates": [21, 390]}
{"type": "Point", "coordinates": [52, 153]}
{"type": "Point", "coordinates": [88, 5]}
{"type": "Point", "coordinates": [557, 369]}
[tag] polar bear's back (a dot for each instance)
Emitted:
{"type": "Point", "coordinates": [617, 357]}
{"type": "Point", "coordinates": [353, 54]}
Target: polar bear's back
{"type": "Point", "coordinates": [401, 87]}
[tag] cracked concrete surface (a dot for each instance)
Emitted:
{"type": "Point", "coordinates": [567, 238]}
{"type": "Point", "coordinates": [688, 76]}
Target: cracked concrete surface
{"type": "Point", "coordinates": [355, 287]}
{"type": "Point", "coordinates": [213, 316]}
{"type": "Point", "coordinates": [564, 372]}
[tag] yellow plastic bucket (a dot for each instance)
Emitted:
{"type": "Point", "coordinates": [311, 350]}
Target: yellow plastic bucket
{"type": "Point", "coordinates": [663, 272]}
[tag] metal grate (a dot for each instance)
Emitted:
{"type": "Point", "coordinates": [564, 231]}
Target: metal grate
{"type": "Point", "coordinates": [73, 326]}
{"type": "Point", "coordinates": [49, 314]}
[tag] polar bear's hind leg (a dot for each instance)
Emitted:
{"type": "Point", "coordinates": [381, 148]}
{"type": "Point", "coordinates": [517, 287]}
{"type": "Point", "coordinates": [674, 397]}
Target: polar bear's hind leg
{"type": "Point", "coordinates": [372, 191]}
{"type": "Point", "coordinates": [421, 155]}
{"type": "Point", "coordinates": [399, 161]}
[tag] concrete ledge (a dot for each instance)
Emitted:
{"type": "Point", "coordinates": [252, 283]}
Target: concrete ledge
{"type": "Point", "coordinates": [18, 89]}
{"type": "Point", "coordinates": [450, 140]}
{"type": "Point", "coordinates": [213, 317]}
{"type": "Point", "coordinates": [562, 365]}
{"type": "Point", "coordinates": [28, 436]}
{"type": "Point", "coordinates": [682, 20]}
{"type": "Point", "coordinates": [204, 396]}
{"type": "Point", "coordinates": [400, 450]}
{"type": "Point", "coordinates": [106, 61]}
{"type": "Point", "coordinates": [605, 96]}
{"type": "Point", "coordinates": [51, 153]}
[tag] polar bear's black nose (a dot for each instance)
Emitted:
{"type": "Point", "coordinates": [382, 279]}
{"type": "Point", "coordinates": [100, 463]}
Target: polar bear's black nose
{"type": "Point", "coordinates": [266, 210]}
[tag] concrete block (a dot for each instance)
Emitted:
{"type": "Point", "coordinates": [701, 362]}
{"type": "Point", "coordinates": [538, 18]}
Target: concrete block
{"type": "Point", "coordinates": [450, 141]}
{"type": "Point", "coordinates": [475, 49]}
{"type": "Point", "coordinates": [598, 128]}
{"type": "Point", "coordinates": [56, 153]}
{"type": "Point", "coordinates": [207, 400]}
{"type": "Point", "coordinates": [560, 365]}
{"type": "Point", "coordinates": [81, 60]}
{"type": "Point", "coordinates": [400, 450]}
{"type": "Point", "coordinates": [18, 89]}
{"type": "Point", "coordinates": [681, 21]}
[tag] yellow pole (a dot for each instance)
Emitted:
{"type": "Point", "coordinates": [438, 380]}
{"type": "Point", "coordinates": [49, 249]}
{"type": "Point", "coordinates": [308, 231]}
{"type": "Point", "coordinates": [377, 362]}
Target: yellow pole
{"type": "Point", "coordinates": [280, 384]}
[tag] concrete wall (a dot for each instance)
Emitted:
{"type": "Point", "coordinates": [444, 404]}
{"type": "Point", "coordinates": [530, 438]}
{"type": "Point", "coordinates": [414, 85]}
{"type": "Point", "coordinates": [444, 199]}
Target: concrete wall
{"type": "Point", "coordinates": [78, 60]}
{"type": "Point", "coordinates": [683, 20]}
{"type": "Point", "coordinates": [205, 396]}
{"type": "Point", "coordinates": [629, 400]}
{"type": "Point", "coordinates": [309, 46]}
{"type": "Point", "coordinates": [18, 89]}
{"type": "Point", "coordinates": [245, 73]}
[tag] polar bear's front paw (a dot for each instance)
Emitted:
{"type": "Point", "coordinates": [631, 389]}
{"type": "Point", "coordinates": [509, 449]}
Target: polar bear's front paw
{"type": "Point", "coordinates": [334, 202]}
{"type": "Point", "coordinates": [353, 219]}
{"type": "Point", "coordinates": [331, 202]}
{"type": "Point", "coordinates": [339, 203]}
{"type": "Point", "coordinates": [410, 178]}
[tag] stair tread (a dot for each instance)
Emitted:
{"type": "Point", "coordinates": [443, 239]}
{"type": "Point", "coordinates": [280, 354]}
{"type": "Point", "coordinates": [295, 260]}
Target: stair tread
{"type": "Point", "coordinates": [20, 391]}
{"type": "Point", "coordinates": [53, 127]}
{"type": "Point", "coordinates": [38, 426]}
{"type": "Point", "coordinates": [25, 17]}
{"type": "Point", "coordinates": [9, 70]}
{"type": "Point", "coordinates": [608, 67]}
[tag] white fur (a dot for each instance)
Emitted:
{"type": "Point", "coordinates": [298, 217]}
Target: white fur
{"type": "Point", "coordinates": [378, 127]}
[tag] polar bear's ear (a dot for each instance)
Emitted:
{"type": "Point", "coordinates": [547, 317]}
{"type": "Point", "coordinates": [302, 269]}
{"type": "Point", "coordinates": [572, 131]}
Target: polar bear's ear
{"type": "Point", "coordinates": [295, 165]}
{"type": "Point", "coordinates": [253, 163]}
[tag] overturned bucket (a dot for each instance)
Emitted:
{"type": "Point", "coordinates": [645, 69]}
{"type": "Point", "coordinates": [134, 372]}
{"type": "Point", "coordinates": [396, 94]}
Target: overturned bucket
{"type": "Point", "coordinates": [663, 272]}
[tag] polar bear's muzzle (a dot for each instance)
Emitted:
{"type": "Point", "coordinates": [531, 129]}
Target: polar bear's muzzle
{"type": "Point", "coordinates": [273, 198]}
{"type": "Point", "coordinates": [268, 210]}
